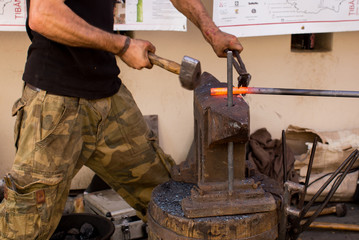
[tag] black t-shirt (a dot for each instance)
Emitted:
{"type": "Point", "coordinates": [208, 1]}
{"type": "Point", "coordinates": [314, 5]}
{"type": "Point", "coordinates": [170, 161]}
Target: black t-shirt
{"type": "Point", "coordinates": [75, 71]}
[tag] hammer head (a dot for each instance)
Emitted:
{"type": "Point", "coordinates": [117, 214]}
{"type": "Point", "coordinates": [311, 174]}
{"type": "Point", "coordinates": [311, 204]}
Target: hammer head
{"type": "Point", "coordinates": [190, 73]}
{"type": "Point", "coordinates": [341, 209]}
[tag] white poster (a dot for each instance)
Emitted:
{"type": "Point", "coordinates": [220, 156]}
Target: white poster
{"type": "Point", "coordinates": [12, 15]}
{"type": "Point", "coordinates": [274, 17]}
{"type": "Point", "coordinates": [128, 15]}
{"type": "Point", "coordinates": [148, 15]}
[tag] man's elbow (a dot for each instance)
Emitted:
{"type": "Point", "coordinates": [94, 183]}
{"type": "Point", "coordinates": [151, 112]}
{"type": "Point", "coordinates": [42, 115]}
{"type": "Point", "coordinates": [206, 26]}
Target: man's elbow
{"type": "Point", "coordinates": [36, 23]}
{"type": "Point", "coordinates": [38, 15]}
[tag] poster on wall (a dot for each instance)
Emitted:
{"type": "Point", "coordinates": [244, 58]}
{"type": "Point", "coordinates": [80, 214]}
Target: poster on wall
{"type": "Point", "coordinates": [12, 15]}
{"type": "Point", "coordinates": [128, 15]}
{"type": "Point", "coordinates": [148, 15]}
{"type": "Point", "coordinates": [275, 17]}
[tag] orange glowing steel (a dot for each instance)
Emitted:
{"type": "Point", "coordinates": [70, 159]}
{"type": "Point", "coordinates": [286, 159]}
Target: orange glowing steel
{"type": "Point", "coordinates": [223, 91]}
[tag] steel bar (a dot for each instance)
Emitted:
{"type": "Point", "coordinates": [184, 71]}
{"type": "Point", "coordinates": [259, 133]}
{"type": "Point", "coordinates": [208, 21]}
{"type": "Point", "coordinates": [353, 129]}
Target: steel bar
{"type": "Point", "coordinates": [331, 192]}
{"type": "Point", "coordinates": [307, 176]}
{"type": "Point", "coordinates": [230, 78]}
{"type": "Point", "coordinates": [347, 164]}
{"type": "Point", "coordinates": [282, 235]}
{"type": "Point", "coordinates": [287, 91]}
{"type": "Point", "coordinates": [335, 174]}
{"type": "Point", "coordinates": [230, 104]}
{"type": "Point", "coordinates": [284, 149]}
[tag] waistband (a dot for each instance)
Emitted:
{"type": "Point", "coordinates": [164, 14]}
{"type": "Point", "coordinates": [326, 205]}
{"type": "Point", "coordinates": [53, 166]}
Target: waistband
{"type": "Point", "coordinates": [32, 87]}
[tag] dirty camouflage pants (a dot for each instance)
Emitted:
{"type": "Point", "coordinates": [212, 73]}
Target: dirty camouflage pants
{"type": "Point", "coordinates": [55, 136]}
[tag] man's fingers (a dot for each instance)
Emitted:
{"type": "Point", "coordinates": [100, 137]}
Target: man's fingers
{"type": "Point", "coordinates": [230, 42]}
{"type": "Point", "coordinates": [150, 48]}
{"type": "Point", "coordinates": [236, 45]}
{"type": "Point", "coordinates": [137, 54]}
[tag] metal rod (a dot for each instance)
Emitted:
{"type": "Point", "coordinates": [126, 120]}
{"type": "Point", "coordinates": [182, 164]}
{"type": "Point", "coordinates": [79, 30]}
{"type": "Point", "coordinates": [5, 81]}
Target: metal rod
{"type": "Point", "coordinates": [284, 149]}
{"type": "Point", "coordinates": [286, 91]}
{"type": "Point", "coordinates": [230, 78]}
{"type": "Point", "coordinates": [348, 163]}
{"type": "Point", "coordinates": [331, 192]}
{"type": "Point", "coordinates": [303, 92]}
{"type": "Point", "coordinates": [282, 235]}
{"type": "Point", "coordinates": [230, 104]}
{"type": "Point", "coordinates": [334, 175]}
{"type": "Point", "coordinates": [307, 176]}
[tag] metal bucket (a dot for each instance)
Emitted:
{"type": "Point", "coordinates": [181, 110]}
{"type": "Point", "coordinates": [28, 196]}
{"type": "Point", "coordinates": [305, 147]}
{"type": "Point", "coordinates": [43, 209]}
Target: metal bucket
{"type": "Point", "coordinates": [103, 226]}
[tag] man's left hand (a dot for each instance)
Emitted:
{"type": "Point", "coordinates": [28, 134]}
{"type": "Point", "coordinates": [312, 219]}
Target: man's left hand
{"type": "Point", "coordinates": [221, 42]}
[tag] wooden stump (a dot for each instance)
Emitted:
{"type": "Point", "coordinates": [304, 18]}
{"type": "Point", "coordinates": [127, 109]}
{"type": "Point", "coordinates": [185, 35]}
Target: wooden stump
{"type": "Point", "coordinates": [166, 220]}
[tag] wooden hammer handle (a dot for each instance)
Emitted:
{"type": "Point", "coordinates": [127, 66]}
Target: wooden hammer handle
{"type": "Point", "coordinates": [335, 226]}
{"type": "Point", "coordinates": [164, 63]}
{"type": "Point", "coordinates": [325, 211]}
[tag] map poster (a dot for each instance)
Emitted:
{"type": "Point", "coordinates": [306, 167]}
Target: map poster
{"type": "Point", "coordinates": [128, 15]}
{"type": "Point", "coordinates": [148, 15]}
{"type": "Point", "coordinates": [275, 17]}
{"type": "Point", "coordinates": [12, 15]}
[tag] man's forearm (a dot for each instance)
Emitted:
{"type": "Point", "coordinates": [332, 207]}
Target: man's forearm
{"type": "Point", "coordinates": [198, 15]}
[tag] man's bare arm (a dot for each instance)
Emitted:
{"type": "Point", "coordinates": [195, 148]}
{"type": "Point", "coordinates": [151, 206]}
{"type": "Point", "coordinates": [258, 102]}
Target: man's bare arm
{"type": "Point", "coordinates": [56, 21]}
{"type": "Point", "coordinates": [196, 13]}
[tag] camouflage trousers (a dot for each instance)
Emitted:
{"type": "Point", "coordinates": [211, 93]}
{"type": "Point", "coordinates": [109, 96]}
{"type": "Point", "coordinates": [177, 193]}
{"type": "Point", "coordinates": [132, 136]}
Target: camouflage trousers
{"type": "Point", "coordinates": [55, 136]}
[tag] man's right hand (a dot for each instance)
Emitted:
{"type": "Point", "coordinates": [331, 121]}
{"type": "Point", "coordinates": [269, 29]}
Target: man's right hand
{"type": "Point", "coordinates": [136, 55]}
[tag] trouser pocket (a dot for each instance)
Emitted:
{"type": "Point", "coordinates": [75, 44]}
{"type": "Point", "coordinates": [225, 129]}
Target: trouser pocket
{"type": "Point", "coordinates": [27, 211]}
{"type": "Point", "coordinates": [19, 215]}
{"type": "Point", "coordinates": [18, 111]}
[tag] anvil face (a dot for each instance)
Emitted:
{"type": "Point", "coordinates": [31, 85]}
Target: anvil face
{"type": "Point", "coordinates": [217, 124]}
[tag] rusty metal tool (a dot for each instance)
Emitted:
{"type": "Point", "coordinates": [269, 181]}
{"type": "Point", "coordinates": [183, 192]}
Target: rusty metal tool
{"type": "Point", "coordinates": [339, 209]}
{"type": "Point", "coordinates": [189, 71]}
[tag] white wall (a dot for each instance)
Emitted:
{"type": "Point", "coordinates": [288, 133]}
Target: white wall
{"type": "Point", "coordinates": [272, 64]}
{"type": "Point", "coordinates": [156, 91]}
{"type": "Point", "coordinates": [13, 47]}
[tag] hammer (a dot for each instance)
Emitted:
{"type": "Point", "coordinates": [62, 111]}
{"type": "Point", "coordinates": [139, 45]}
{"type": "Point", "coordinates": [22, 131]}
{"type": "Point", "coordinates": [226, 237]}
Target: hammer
{"type": "Point", "coordinates": [335, 226]}
{"type": "Point", "coordinates": [189, 71]}
{"type": "Point", "coordinates": [339, 209]}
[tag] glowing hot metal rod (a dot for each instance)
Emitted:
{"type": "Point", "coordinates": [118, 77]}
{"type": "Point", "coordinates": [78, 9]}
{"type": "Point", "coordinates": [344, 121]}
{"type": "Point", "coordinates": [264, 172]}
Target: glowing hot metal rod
{"type": "Point", "coordinates": [286, 91]}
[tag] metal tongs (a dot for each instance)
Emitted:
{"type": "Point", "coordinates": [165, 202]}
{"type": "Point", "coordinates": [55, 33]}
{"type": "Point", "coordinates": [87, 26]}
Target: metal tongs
{"type": "Point", "coordinates": [244, 77]}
